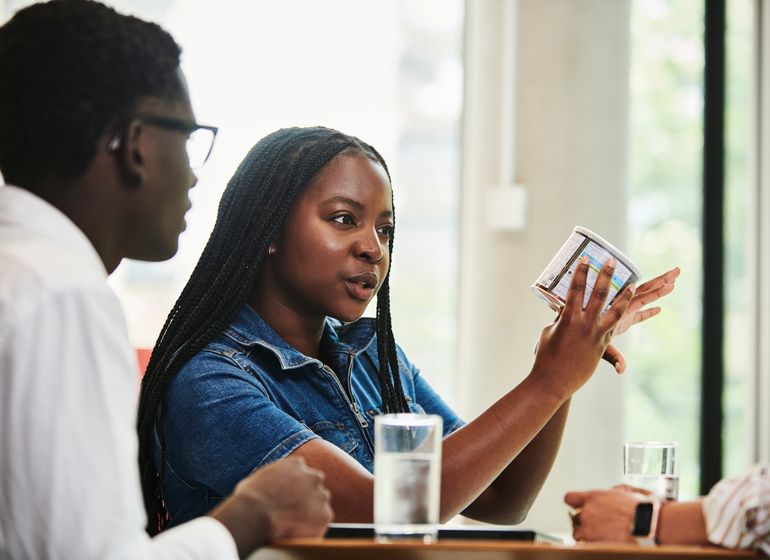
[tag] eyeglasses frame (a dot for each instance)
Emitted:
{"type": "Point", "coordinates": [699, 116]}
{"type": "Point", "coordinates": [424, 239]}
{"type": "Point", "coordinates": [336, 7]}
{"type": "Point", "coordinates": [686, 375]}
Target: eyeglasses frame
{"type": "Point", "coordinates": [169, 123]}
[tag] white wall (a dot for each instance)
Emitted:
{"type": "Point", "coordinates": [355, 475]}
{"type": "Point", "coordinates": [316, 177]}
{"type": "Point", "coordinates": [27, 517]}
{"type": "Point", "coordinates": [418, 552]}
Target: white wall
{"type": "Point", "coordinates": [570, 128]}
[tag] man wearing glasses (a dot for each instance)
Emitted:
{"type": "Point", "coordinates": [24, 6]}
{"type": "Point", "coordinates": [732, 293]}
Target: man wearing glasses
{"type": "Point", "coordinates": [98, 137]}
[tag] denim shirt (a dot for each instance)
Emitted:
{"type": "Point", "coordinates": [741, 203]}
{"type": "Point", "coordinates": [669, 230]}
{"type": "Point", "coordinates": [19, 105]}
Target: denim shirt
{"type": "Point", "coordinates": [249, 398]}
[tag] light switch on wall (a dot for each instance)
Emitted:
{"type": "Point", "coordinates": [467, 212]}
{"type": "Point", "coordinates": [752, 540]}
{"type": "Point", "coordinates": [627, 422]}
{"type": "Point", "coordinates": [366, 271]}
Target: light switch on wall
{"type": "Point", "coordinates": [507, 208]}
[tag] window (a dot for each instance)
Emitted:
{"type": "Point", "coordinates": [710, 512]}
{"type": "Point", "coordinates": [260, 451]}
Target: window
{"type": "Point", "coordinates": [664, 216]}
{"type": "Point", "coordinates": [738, 304]}
{"type": "Point", "coordinates": [665, 225]}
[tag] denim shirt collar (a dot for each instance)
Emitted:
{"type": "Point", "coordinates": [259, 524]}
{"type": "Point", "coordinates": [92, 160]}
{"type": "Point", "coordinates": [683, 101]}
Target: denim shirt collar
{"type": "Point", "coordinates": [249, 329]}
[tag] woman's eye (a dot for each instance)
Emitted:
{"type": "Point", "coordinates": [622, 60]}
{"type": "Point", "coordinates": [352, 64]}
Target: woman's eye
{"type": "Point", "coordinates": [386, 231]}
{"type": "Point", "coordinates": [345, 219]}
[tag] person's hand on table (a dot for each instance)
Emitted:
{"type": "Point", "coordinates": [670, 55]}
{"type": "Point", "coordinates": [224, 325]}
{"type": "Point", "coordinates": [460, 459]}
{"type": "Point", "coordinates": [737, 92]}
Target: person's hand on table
{"type": "Point", "coordinates": [604, 515]}
{"type": "Point", "coordinates": [294, 497]}
{"type": "Point", "coordinates": [647, 293]}
{"type": "Point", "coordinates": [284, 499]}
{"type": "Point", "coordinates": [608, 515]}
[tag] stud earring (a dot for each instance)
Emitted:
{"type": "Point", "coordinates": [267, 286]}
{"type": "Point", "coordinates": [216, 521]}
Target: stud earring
{"type": "Point", "coordinates": [271, 250]}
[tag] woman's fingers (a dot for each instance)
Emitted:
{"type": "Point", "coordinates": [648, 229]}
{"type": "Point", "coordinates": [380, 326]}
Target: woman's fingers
{"type": "Point", "coordinates": [645, 314]}
{"type": "Point", "coordinates": [667, 278]}
{"type": "Point", "coordinates": [643, 298]}
{"type": "Point", "coordinates": [577, 288]}
{"type": "Point", "coordinates": [647, 293]}
{"type": "Point", "coordinates": [619, 306]}
{"type": "Point", "coordinates": [602, 287]}
{"type": "Point", "coordinates": [615, 357]}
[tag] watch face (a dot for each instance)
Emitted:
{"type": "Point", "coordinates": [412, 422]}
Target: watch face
{"type": "Point", "coordinates": [642, 519]}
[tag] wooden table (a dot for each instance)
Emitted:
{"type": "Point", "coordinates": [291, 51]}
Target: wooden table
{"type": "Point", "coordinates": [363, 549]}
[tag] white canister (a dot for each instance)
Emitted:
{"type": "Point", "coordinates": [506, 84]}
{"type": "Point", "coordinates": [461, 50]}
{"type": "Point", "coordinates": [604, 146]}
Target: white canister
{"type": "Point", "coordinates": [553, 284]}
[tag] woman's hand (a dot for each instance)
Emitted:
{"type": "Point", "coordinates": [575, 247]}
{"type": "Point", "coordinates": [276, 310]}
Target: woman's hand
{"type": "Point", "coordinates": [570, 348]}
{"type": "Point", "coordinates": [647, 293]}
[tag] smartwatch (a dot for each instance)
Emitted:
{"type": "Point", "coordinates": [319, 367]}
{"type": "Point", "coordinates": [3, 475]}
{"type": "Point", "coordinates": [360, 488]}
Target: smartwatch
{"type": "Point", "coordinates": [645, 527]}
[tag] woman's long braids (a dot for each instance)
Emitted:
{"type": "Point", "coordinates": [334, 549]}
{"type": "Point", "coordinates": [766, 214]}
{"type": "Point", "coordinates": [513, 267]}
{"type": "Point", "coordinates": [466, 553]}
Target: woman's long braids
{"type": "Point", "coordinates": [253, 209]}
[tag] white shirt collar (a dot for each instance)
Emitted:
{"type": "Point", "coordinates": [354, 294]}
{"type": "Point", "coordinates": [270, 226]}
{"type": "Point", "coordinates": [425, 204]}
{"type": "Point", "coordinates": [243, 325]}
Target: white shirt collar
{"type": "Point", "coordinates": [26, 211]}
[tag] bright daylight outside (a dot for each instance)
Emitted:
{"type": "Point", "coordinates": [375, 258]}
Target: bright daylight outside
{"type": "Point", "coordinates": [665, 162]}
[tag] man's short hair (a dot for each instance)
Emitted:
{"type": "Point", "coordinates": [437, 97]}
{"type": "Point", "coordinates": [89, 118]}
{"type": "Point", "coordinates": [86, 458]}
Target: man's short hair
{"type": "Point", "coordinates": [70, 71]}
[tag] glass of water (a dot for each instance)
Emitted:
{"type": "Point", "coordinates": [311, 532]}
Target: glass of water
{"type": "Point", "coordinates": [407, 476]}
{"type": "Point", "coordinates": [652, 465]}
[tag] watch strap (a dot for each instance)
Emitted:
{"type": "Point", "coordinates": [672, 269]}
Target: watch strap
{"type": "Point", "coordinates": [649, 539]}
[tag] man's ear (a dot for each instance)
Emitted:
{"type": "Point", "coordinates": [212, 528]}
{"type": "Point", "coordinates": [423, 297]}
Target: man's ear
{"type": "Point", "coordinates": [132, 156]}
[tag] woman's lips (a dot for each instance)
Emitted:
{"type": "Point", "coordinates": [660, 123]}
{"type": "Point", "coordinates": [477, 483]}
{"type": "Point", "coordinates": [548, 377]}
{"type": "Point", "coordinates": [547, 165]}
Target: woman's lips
{"type": "Point", "coordinates": [361, 286]}
{"type": "Point", "coordinates": [359, 291]}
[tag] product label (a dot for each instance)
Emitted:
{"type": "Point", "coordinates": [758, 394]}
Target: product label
{"type": "Point", "coordinates": [557, 277]}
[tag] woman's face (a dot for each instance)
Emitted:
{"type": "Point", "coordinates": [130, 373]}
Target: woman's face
{"type": "Point", "coordinates": [332, 255]}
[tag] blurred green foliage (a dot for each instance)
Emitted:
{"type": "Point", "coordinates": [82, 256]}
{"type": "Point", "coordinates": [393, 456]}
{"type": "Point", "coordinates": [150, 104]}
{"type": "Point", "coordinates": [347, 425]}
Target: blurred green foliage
{"type": "Point", "coordinates": [664, 215]}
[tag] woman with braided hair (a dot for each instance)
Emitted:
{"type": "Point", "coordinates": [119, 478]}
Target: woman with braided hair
{"type": "Point", "coordinates": [265, 353]}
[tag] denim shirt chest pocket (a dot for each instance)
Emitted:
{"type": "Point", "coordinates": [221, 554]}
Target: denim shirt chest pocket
{"type": "Point", "coordinates": [367, 374]}
{"type": "Point", "coordinates": [366, 384]}
{"type": "Point", "coordinates": [313, 397]}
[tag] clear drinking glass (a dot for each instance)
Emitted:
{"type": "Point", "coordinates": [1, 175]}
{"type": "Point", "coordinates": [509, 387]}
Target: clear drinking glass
{"type": "Point", "coordinates": [407, 476]}
{"type": "Point", "coordinates": [652, 465]}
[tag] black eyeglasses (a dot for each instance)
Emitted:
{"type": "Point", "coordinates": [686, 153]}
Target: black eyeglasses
{"type": "Point", "coordinates": [200, 137]}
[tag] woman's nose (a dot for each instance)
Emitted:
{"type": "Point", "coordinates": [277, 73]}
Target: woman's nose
{"type": "Point", "coordinates": [370, 247]}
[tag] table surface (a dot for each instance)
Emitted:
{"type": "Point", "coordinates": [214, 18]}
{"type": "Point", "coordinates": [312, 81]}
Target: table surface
{"type": "Point", "coordinates": [366, 549]}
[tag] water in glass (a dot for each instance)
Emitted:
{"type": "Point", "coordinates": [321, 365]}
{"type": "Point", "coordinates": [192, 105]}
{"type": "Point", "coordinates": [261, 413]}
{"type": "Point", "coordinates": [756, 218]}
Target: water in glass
{"type": "Point", "coordinates": [404, 495]}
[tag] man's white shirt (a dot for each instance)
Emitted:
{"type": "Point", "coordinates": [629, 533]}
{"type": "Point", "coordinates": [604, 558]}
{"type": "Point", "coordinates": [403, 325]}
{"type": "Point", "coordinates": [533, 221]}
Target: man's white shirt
{"type": "Point", "coordinates": [69, 477]}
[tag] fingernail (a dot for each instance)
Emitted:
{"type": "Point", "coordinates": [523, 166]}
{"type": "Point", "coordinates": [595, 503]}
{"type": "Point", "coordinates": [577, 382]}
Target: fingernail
{"type": "Point", "coordinates": [586, 259]}
{"type": "Point", "coordinates": [632, 288]}
{"type": "Point", "coordinates": [611, 262]}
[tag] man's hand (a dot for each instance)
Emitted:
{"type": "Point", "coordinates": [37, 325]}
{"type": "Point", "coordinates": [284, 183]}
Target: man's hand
{"type": "Point", "coordinates": [284, 499]}
{"type": "Point", "coordinates": [294, 497]}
